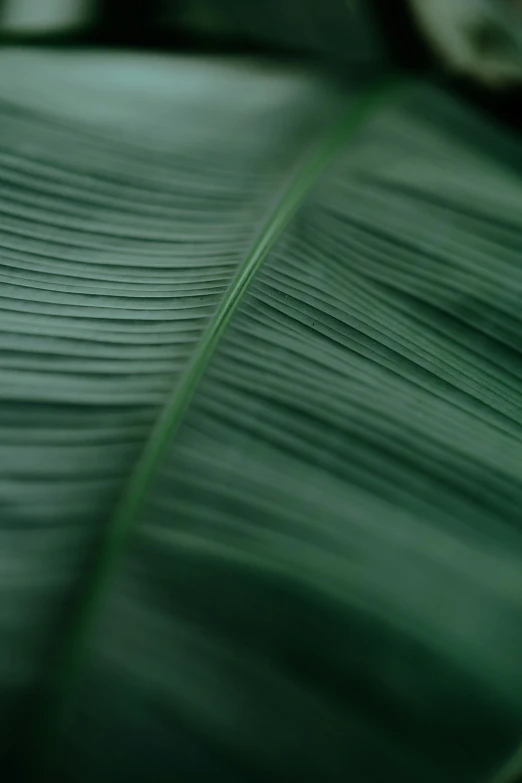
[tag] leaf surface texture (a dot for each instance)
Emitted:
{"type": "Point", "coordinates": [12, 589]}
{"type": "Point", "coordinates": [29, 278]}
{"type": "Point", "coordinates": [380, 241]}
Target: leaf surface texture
{"type": "Point", "coordinates": [324, 572]}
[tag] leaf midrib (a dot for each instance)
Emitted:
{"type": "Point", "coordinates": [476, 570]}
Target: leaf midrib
{"type": "Point", "coordinates": [68, 661]}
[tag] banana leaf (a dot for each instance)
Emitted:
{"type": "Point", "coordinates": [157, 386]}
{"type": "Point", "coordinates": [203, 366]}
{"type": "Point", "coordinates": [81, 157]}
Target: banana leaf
{"type": "Point", "coordinates": [260, 425]}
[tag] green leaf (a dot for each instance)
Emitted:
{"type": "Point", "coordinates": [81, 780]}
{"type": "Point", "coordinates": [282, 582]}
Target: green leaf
{"type": "Point", "coordinates": [261, 429]}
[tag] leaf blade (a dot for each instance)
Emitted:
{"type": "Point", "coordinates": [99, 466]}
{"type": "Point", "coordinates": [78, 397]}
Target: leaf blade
{"type": "Point", "coordinates": [171, 417]}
